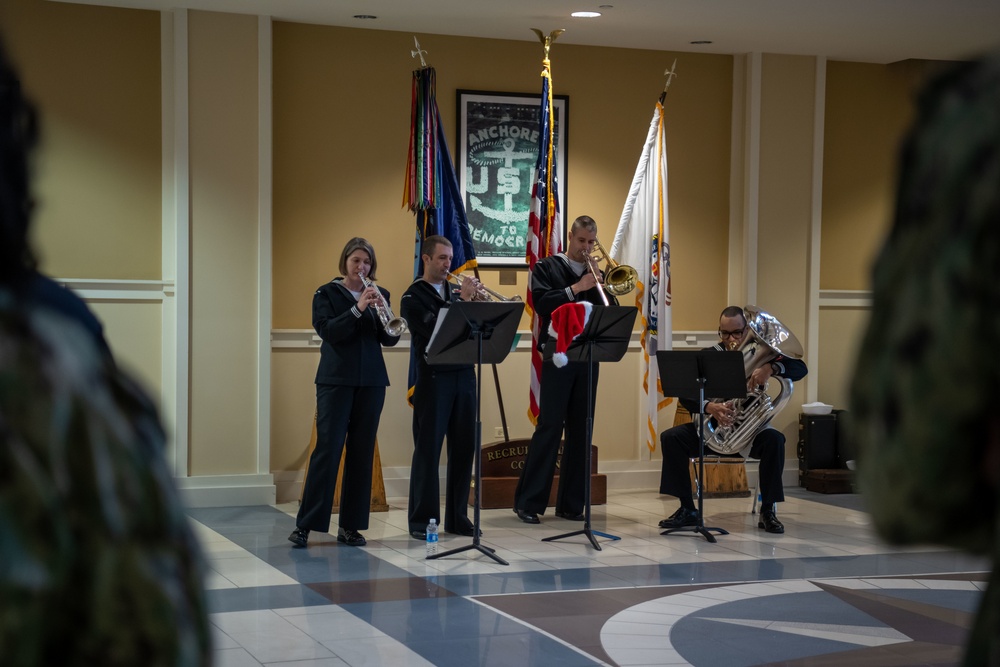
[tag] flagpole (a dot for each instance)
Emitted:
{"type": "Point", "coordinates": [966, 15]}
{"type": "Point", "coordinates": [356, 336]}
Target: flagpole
{"type": "Point", "coordinates": [420, 52]}
{"type": "Point", "coordinates": [641, 240]}
{"type": "Point", "coordinates": [669, 73]}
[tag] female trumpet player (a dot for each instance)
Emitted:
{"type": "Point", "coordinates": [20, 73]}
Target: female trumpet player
{"type": "Point", "coordinates": [350, 392]}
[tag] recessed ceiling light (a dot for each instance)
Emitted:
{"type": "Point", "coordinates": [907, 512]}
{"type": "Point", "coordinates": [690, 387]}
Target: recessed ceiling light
{"type": "Point", "coordinates": [365, 17]}
{"type": "Point", "coordinates": [605, 6]}
{"type": "Point", "coordinates": [702, 41]}
{"type": "Point", "coordinates": [585, 15]}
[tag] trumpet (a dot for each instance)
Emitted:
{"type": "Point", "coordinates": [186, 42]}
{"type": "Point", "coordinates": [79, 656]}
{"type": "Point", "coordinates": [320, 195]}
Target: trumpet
{"type": "Point", "coordinates": [394, 326]}
{"type": "Point", "coordinates": [483, 293]}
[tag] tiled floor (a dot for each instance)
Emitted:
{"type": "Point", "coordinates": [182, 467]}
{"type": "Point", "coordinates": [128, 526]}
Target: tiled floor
{"type": "Point", "coordinates": [827, 592]}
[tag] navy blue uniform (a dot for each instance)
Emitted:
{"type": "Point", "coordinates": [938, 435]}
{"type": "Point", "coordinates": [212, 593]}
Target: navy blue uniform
{"type": "Point", "coordinates": [350, 391]}
{"type": "Point", "coordinates": [444, 406]}
{"type": "Point", "coordinates": [562, 402]}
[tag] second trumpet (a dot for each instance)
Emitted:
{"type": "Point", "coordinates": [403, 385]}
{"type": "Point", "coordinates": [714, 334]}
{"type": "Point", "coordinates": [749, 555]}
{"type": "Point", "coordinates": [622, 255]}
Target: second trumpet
{"type": "Point", "coordinates": [483, 293]}
{"type": "Point", "coordinates": [394, 326]}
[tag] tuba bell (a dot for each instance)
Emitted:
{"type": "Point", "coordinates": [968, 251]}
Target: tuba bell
{"type": "Point", "coordinates": [765, 340]}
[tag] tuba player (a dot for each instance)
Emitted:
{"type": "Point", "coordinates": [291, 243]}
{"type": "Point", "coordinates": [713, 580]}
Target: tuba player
{"type": "Point", "coordinates": [680, 443]}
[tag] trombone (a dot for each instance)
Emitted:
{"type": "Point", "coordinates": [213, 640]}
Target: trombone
{"type": "Point", "coordinates": [620, 279]}
{"type": "Point", "coordinates": [483, 293]}
{"type": "Point", "coordinates": [394, 326]}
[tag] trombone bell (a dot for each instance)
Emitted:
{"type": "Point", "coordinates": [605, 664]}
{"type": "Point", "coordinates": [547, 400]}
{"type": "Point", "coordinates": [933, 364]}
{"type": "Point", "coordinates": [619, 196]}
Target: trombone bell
{"type": "Point", "coordinates": [619, 279]}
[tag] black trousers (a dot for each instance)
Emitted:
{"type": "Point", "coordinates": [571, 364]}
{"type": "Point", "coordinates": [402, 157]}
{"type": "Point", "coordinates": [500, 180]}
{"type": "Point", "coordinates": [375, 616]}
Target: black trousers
{"type": "Point", "coordinates": [680, 443]}
{"type": "Point", "coordinates": [561, 406]}
{"type": "Point", "coordinates": [346, 423]}
{"type": "Point", "coordinates": [444, 406]}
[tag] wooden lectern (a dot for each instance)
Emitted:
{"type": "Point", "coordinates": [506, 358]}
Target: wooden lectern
{"type": "Point", "coordinates": [378, 499]}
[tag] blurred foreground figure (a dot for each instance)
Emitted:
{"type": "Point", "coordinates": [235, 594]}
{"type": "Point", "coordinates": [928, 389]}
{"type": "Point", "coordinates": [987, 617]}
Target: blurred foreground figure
{"type": "Point", "coordinates": [98, 564]}
{"type": "Point", "coordinates": [924, 395]}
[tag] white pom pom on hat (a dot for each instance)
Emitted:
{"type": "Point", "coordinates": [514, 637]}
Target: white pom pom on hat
{"type": "Point", "coordinates": [568, 321]}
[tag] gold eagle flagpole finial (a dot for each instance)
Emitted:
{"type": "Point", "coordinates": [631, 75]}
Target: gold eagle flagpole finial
{"type": "Point", "coordinates": [547, 40]}
{"type": "Point", "coordinates": [418, 52]}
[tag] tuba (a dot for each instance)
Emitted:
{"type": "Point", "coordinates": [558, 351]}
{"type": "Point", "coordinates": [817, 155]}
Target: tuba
{"type": "Point", "coordinates": [765, 340]}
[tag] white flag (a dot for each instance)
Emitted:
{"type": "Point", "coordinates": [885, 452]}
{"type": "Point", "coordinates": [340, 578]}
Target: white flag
{"type": "Point", "coordinates": [641, 242]}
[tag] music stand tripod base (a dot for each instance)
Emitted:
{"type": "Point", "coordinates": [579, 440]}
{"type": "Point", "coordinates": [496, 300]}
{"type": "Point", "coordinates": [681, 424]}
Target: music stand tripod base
{"type": "Point", "coordinates": [605, 338]}
{"type": "Point", "coordinates": [704, 530]}
{"type": "Point", "coordinates": [686, 374]}
{"type": "Point", "coordinates": [473, 333]}
{"type": "Point", "coordinates": [586, 530]}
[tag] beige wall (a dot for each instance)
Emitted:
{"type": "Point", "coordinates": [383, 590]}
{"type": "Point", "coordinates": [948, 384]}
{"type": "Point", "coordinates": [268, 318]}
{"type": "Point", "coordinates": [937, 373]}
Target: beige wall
{"type": "Point", "coordinates": [224, 242]}
{"type": "Point", "coordinates": [788, 90]}
{"type": "Point", "coordinates": [340, 151]}
{"type": "Point", "coordinates": [132, 330]}
{"type": "Point", "coordinates": [341, 134]}
{"type": "Point", "coordinates": [95, 74]}
{"type": "Point", "coordinates": [840, 336]}
{"type": "Point", "coordinates": [341, 100]}
{"type": "Point", "coordinates": [868, 108]}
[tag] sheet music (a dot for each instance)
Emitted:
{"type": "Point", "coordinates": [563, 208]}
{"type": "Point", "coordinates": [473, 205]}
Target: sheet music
{"type": "Point", "coordinates": [437, 325]}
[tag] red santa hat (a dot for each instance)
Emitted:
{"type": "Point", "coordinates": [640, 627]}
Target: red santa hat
{"type": "Point", "coordinates": [568, 322]}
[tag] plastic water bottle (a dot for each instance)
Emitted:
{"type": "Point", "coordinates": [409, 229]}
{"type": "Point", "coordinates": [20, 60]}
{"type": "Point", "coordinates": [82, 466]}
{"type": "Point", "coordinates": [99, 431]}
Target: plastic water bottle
{"type": "Point", "coordinates": [432, 537]}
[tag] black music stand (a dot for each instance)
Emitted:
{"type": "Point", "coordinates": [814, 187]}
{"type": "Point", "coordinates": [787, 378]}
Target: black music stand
{"type": "Point", "coordinates": [605, 338]}
{"type": "Point", "coordinates": [692, 374]}
{"type": "Point", "coordinates": [474, 332]}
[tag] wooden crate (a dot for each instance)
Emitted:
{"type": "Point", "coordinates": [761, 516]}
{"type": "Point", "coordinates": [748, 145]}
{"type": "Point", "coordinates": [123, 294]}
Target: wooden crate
{"type": "Point", "coordinates": [833, 480]}
{"type": "Point", "coordinates": [725, 476]}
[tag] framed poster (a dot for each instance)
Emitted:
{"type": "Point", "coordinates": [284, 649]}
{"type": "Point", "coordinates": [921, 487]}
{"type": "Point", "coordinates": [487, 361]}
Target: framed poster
{"type": "Point", "coordinates": [498, 135]}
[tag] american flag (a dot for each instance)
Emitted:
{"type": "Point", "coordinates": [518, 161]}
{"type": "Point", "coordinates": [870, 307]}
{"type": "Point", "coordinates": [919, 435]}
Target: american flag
{"type": "Point", "coordinates": [545, 229]}
{"type": "Point", "coordinates": [641, 241]}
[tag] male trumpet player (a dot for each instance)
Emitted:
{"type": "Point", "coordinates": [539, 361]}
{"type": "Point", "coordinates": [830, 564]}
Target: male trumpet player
{"type": "Point", "coordinates": [567, 277]}
{"type": "Point", "coordinates": [444, 400]}
{"type": "Point", "coordinates": [680, 443]}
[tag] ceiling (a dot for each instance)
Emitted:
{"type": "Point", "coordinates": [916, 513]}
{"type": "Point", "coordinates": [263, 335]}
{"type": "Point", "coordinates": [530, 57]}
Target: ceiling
{"type": "Point", "coordinates": [876, 31]}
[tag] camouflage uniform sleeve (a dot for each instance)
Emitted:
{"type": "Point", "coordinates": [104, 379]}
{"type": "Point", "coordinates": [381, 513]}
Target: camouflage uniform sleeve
{"type": "Point", "coordinates": [923, 399]}
{"type": "Point", "coordinates": [97, 558]}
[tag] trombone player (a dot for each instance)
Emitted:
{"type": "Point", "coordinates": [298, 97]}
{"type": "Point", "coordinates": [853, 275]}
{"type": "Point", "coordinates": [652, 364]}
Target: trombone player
{"type": "Point", "coordinates": [568, 277]}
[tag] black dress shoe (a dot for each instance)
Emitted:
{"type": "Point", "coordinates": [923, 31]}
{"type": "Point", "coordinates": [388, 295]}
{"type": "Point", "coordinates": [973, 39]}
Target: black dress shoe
{"type": "Point", "coordinates": [569, 516]}
{"type": "Point", "coordinates": [418, 534]}
{"type": "Point", "coordinates": [769, 522]}
{"type": "Point", "coordinates": [351, 538]}
{"type": "Point", "coordinates": [682, 518]}
{"type": "Point", "coordinates": [526, 516]}
{"type": "Point", "coordinates": [299, 537]}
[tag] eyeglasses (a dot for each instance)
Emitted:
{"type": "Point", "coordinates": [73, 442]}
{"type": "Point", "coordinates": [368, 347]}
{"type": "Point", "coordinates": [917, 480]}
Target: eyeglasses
{"type": "Point", "coordinates": [731, 334]}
